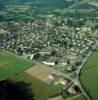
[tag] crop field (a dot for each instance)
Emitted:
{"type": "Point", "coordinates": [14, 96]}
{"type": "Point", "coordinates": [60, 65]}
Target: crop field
{"type": "Point", "coordinates": [12, 67]}
{"type": "Point", "coordinates": [40, 89]}
{"type": "Point", "coordinates": [40, 72]}
{"type": "Point", "coordinates": [89, 75]}
{"type": "Point", "coordinates": [11, 64]}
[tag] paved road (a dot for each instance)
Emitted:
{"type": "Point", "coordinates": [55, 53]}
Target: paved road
{"type": "Point", "coordinates": [74, 76]}
{"type": "Point", "coordinates": [84, 61]}
{"type": "Point", "coordinates": [78, 72]}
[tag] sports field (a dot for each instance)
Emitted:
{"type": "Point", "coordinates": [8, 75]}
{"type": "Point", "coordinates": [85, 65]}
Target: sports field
{"type": "Point", "coordinates": [11, 64]}
{"type": "Point", "coordinates": [89, 75]}
{"type": "Point", "coordinates": [40, 89]}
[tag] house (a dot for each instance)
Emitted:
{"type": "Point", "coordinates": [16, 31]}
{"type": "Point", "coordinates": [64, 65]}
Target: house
{"type": "Point", "coordinates": [69, 68]}
{"type": "Point", "coordinates": [64, 63]}
{"type": "Point", "coordinates": [72, 90]}
{"type": "Point", "coordinates": [52, 61]}
{"type": "Point", "coordinates": [49, 63]}
{"type": "Point", "coordinates": [2, 31]}
{"type": "Point", "coordinates": [62, 81]}
{"type": "Point", "coordinates": [46, 51]}
{"type": "Point", "coordinates": [51, 77]}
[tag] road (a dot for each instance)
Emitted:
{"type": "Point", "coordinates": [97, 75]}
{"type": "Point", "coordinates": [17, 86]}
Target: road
{"type": "Point", "coordinates": [84, 61]}
{"type": "Point", "coordinates": [74, 76]}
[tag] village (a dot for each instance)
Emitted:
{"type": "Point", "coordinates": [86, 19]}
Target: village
{"type": "Point", "coordinates": [51, 43]}
{"type": "Point", "coordinates": [58, 42]}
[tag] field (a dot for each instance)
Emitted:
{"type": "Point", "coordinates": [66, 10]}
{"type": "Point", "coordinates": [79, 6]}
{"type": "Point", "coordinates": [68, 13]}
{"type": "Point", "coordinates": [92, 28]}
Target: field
{"type": "Point", "coordinates": [76, 97]}
{"type": "Point", "coordinates": [40, 71]}
{"type": "Point", "coordinates": [79, 98]}
{"type": "Point", "coordinates": [12, 67]}
{"type": "Point", "coordinates": [40, 89]}
{"type": "Point", "coordinates": [89, 75]}
{"type": "Point", "coordinates": [42, 4]}
{"type": "Point", "coordinates": [11, 64]}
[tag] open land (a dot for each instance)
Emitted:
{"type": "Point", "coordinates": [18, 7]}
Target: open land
{"type": "Point", "coordinates": [89, 75]}
{"type": "Point", "coordinates": [77, 97]}
{"type": "Point", "coordinates": [11, 64]}
{"type": "Point", "coordinates": [40, 71]}
{"type": "Point", "coordinates": [40, 89]}
{"type": "Point", "coordinates": [58, 36]}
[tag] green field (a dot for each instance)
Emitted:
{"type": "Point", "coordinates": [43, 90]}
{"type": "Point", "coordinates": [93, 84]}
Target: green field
{"type": "Point", "coordinates": [89, 75]}
{"type": "Point", "coordinates": [79, 98]}
{"type": "Point", "coordinates": [12, 67]}
{"type": "Point", "coordinates": [40, 89]}
{"type": "Point", "coordinates": [11, 64]}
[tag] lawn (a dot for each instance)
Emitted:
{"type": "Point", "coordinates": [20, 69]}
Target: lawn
{"type": "Point", "coordinates": [11, 64]}
{"type": "Point", "coordinates": [40, 89]}
{"type": "Point", "coordinates": [89, 75]}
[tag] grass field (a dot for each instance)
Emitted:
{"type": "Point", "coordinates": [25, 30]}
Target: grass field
{"type": "Point", "coordinates": [79, 98]}
{"type": "Point", "coordinates": [11, 65]}
{"type": "Point", "coordinates": [89, 75]}
{"type": "Point", "coordinates": [40, 89]}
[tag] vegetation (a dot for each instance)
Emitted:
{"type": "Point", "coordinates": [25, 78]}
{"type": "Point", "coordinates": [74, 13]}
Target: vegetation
{"type": "Point", "coordinates": [89, 77]}
{"type": "Point", "coordinates": [79, 98]}
{"type": "Point", "coordinates": [40, 89]}
{"type": "Point", "coordinates": [40, 4]}
{"type": "Point", "coordinates": [27, 26]}
{"type": "Point", "coordinates": [11, 65]}
{"type": "Point", "coordinates": [32, 9]}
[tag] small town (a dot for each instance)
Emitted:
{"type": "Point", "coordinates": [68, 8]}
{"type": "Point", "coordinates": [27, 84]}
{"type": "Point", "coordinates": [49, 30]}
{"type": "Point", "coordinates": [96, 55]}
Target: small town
{"type": "Point", "coordinates": [50, 49]}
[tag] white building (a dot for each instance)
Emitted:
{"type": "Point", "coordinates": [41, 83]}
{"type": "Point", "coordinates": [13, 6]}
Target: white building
{"type": "Point", "coordinates": [49, 63]}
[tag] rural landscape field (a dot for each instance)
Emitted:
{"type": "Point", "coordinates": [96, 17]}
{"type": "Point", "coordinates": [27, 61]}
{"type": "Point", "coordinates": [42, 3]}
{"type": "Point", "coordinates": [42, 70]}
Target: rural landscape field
{"type": "Point", "coordinates": [89, 77]}
{"type": "Point", "coordinates": [11, 65]}
{"type": "Point", "coordinates": [48, 49]}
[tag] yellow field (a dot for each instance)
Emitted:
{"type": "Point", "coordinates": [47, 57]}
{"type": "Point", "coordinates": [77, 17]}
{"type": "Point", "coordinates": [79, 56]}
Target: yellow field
{"type": "Point", "coordinates": [40, 71]}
